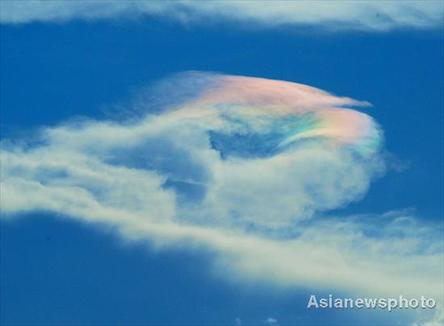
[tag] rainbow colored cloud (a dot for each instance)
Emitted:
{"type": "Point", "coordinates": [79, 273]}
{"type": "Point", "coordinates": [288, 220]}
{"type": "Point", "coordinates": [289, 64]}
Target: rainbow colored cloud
{"type": "Point", "coordinates": [244, 167]}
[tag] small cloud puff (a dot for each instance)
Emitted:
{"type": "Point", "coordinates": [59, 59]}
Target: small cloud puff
{"type": "Point", "coordinates": [270, 321]}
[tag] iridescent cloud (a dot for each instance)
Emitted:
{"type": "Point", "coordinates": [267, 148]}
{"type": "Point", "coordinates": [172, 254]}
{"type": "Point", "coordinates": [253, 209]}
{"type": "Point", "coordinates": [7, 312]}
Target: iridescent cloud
{"type": "Point", "coordinates": [291, 111]}
{"type": "Point", "coordinates": [243, 167]}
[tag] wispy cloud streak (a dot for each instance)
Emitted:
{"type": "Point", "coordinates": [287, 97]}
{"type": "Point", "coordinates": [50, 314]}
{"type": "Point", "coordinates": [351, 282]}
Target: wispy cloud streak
{"type": "Point", "coordinates": [333, 15]}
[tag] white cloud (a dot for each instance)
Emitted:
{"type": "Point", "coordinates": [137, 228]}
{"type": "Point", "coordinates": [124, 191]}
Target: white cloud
{"type": "Point", "coordinates": [209, 173]}
{"type": "Point", "coordinates": [270, 321]}
{"type": "Point", "coordinates": [336, 15]}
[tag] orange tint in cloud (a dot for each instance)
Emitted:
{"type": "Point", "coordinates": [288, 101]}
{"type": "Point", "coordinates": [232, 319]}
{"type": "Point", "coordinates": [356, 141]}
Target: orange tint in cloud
{"type": "Point", "coordinates": [260, 101]}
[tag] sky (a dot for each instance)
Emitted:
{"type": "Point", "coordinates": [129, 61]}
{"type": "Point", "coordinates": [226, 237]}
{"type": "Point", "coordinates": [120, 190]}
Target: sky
{"type": "Point", "coordinates": [175, 164]}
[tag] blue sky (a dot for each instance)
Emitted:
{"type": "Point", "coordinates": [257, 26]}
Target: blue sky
{"type": "Point", "coordinates": [57, 270]}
